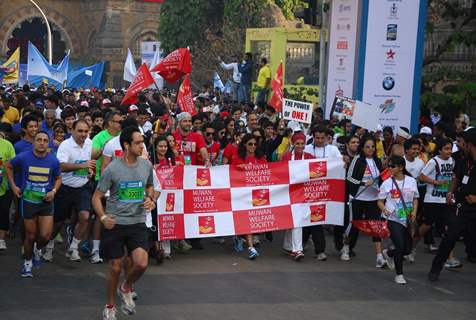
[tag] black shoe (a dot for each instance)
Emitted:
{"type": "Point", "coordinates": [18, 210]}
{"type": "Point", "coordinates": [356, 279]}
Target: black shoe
{"type": "Point", "coordinates": [471, 259]}
{"type": "Point", "coordinates": [269, 236]}
{"type": "Point", "coordinates": [352, 254]}
{"type": "Point", "coordinates": [432, 276]}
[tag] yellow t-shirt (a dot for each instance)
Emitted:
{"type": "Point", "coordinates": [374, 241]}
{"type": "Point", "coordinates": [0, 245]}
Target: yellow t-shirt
{"type": "Point", "coordinates": [263, 75]}
{"type": "Point", "coordinates": [380, 151]}
{"type": "Point", "coordinates": [11, 116]}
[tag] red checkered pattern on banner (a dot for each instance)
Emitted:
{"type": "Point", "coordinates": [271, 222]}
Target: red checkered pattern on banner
{"type": "Point", "coordinates": [221, 201]}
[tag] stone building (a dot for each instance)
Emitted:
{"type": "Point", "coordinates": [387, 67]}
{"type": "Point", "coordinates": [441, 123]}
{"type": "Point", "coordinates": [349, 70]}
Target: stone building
{"type": "Point", "coordinates": [94, 30]}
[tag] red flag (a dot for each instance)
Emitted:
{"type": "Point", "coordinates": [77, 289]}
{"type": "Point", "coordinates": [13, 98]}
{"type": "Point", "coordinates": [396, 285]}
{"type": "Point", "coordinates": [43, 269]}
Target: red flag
{"type": "Point", "coordinates": [175, 65]}
{"type": "Point", "coordinates": [184, 97]}
{"type": "Point", "coordinates": [277, 84]}
{"type": "Point", "coordinates": [387, 173]}
{"type": "Point", "coordinates": [142, 81]}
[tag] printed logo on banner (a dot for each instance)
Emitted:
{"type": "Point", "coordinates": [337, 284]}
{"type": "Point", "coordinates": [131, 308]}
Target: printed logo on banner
{"type": "Point", "coordinates": [317, 169]}
{"type": "Point", "coordinates": [259, 175]}
{"type": "Point", "coordinates": [206, 224]}
{"type": "Point", "coordinates": [393, 11]}
{"type": "Point", "coordinates": [203, 177]}
{"type": "Point", "coordinates": [318, 212]}
{"type": "Point", "coordinates": [171, 226]}
{"type": "Point", "coordinates": [170, 177]}
{"type": "Point", "coordinates": [388, 106]}
{"type": "Point", "coordinates": [170, 202]}
{"type": "Point", "coordinates": [342, 44]}
{"type": "Point", "coordinates": [392, 32]}
{"type": "Point", "coordinates": [262, 219]}
{"type": "Point", "coordinates": [388, 83]}
{"type": "Point", "coordinates": [207, 200]}
{"type": "Point", "coordinates": [260, 197]}
{"type": "Point", "coordinates": [317, 191]}
{"type": "Point", "coordinates": [390, 54]}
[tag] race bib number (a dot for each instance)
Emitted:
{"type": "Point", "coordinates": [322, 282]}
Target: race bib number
{"type": "Point", "coordinates": [34, 193]}
{"type": "Point", "coordinates": [444, 187]}
{"type": "Point", "coordinates": [400, 211]}
{"type": "Point", "coordinates": [81, 172]}
{"type": "Point", "coordinates": [131, 191]}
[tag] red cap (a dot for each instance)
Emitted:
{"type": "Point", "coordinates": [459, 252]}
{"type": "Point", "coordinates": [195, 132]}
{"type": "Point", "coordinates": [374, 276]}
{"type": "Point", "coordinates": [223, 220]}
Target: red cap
{"type": "Point", "coordinates": [298, 136]}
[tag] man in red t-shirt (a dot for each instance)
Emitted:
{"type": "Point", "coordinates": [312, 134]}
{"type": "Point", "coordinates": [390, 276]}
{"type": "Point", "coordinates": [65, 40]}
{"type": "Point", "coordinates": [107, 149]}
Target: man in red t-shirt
{"type": "Point", "coordinates": [190, 144]}
{"type": "Point", "coordinates": [213, 147]}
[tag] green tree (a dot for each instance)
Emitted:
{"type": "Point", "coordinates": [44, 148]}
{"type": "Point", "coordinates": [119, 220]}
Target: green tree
{"type": "Point", "coordinates": [181, 23]}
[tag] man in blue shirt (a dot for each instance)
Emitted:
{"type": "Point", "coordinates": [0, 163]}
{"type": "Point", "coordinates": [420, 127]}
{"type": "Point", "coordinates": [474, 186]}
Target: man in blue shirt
{"type": "Point", "coordinates": [246, 70]}
{"type": "Point", "coordinates": [29, 125]}
{"type": "Point", "coordinates": [39, 180]}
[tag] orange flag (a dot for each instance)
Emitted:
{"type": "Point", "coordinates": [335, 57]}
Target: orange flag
{"type": "Point", "coordinates": [277, 84]}
{"type": "Point", "coordinates": [142, 81]}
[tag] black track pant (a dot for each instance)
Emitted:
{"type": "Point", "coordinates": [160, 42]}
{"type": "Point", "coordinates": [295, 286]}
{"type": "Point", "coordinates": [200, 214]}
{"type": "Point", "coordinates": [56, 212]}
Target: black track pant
{"type": "Point", "coordinates": [402, 241]}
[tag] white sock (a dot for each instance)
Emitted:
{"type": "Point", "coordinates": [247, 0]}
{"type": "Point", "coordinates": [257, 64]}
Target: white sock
{"type": "Point", "coordinates": [96, 245]}
{"type": "Point", "coordinates": [74, 243]}
{"type": "Point", "coordinates": [379, 256]}
{"type": "Point", "coordinates": [35, 250]}
{"type": "Point", "coordinates": [28, 263]}
{"type": "Point", "coordinates": [51, 244]}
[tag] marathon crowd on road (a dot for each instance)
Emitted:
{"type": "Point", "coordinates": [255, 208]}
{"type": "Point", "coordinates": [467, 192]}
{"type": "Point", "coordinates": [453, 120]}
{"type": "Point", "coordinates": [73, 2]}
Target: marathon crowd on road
{"type": "Point", "coordinates": [79, 167]}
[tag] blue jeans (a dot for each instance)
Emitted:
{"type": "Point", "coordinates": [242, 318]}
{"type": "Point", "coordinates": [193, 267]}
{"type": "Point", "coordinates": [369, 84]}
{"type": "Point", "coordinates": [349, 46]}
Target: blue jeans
{"type": "Point", "coordinates": [244, 93]}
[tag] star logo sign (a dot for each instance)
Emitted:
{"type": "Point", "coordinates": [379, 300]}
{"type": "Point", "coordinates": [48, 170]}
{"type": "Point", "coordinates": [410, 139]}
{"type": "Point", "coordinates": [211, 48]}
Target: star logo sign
{"type": "Point", "coordinates": [390, 54]}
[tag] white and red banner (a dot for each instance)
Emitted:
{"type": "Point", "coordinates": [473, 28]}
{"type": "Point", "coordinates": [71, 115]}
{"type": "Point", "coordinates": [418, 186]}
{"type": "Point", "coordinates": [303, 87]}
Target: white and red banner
{"type": "Point", "coordinates": [198, 202]}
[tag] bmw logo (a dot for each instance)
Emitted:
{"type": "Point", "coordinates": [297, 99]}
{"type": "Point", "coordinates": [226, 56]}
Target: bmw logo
{"type": "Point", "coordinates": [388, 83]}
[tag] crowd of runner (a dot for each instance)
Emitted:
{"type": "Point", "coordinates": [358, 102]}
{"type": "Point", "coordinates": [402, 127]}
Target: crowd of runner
{"type": "Point", "coordinates": [78, 163]}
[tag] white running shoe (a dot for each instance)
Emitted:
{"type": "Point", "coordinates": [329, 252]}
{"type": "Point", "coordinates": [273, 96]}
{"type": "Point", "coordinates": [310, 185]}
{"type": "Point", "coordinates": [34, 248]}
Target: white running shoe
{"type": "Point", "coordinates": [399, 279]}
{"type": "Point", "coordinates": [128, 306]}
{"type": "Point", "coordinates": [388, 260]}
{"type": "Point", "coordinates": [73, 255]}
{"type": "Point", "coordinates": [380, 262]}
{"type": "Point", "coordinates": [48, 255]}
{"type": "Point", "coordinates": [344, 253]}
{"type": "Point", "coordinates": [453, 264]}
{"type": "Point", "coordinates": [185, 245]}
{"type": "Point", "coordinates": [109, 313]}
{"type": "Point", "coordinates": [321, 256]}
{"type": "Point", "coordinates": [3, 245]}
{"type": "Point", "coordinates": [411, 257]}
{"type": "Point", "coordinates": [95, 258]}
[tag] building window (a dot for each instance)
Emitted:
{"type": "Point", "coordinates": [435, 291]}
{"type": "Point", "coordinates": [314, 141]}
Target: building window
{"type": "Point", "coordinates": [302, 63]}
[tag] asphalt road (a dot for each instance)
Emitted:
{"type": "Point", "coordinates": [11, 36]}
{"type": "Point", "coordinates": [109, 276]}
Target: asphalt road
{"type": "Point", "coordinates": [217, 283]}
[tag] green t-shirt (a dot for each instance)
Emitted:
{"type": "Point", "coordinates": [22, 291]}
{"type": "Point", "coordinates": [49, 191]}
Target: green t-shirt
{"type": "Point", "coordinates": [99, 141]}
{"type": "Point", "coordinates": [7, 152]}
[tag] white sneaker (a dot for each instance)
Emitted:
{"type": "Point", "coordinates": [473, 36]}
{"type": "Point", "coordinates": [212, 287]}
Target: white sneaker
{"type": "Point", "coordinates": [388, 260]}
{"type": "Point", "coordinates": [321, 257]}
{"type": "Point", "coordinates": [95, 258]}
{"type": "Point", "coordinates": [380, 262]}
{"type": "Point", "coordinates": [73, 255]}
{"type": "Point", "coordinates": [453, 264]}
{"type": "Point", "coordinates": [255, 239]}
{"type": "Point", "coordinates": [344, 253]}
{"type": "Point", "coordinates": [411, 257]}
{"type": "Point", "coordinates": [109, 313]}
{"type": "Point", "coordinates": [128, 306]}
{"type": "Point", "coordinates": [185, 245]}
{"type": "Point", "coordinates": [48, 255]}
{"type": "Point", "coordinates": [3, 245]}
{"type": "Point", "coordinates": [399, 279]}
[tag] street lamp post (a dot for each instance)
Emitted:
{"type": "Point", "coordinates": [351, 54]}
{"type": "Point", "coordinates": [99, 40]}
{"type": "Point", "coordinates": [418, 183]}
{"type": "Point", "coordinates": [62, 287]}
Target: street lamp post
{"type": "Point", "coordinates": [48, 29]}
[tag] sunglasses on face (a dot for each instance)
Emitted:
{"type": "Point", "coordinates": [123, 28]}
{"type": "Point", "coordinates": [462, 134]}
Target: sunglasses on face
{"type": "Point", "coordinates": [209, 133]}
{"type": "Point", "coordinates": [393, 166]}
{"type": "Point", "coordinates": [252, 144]}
